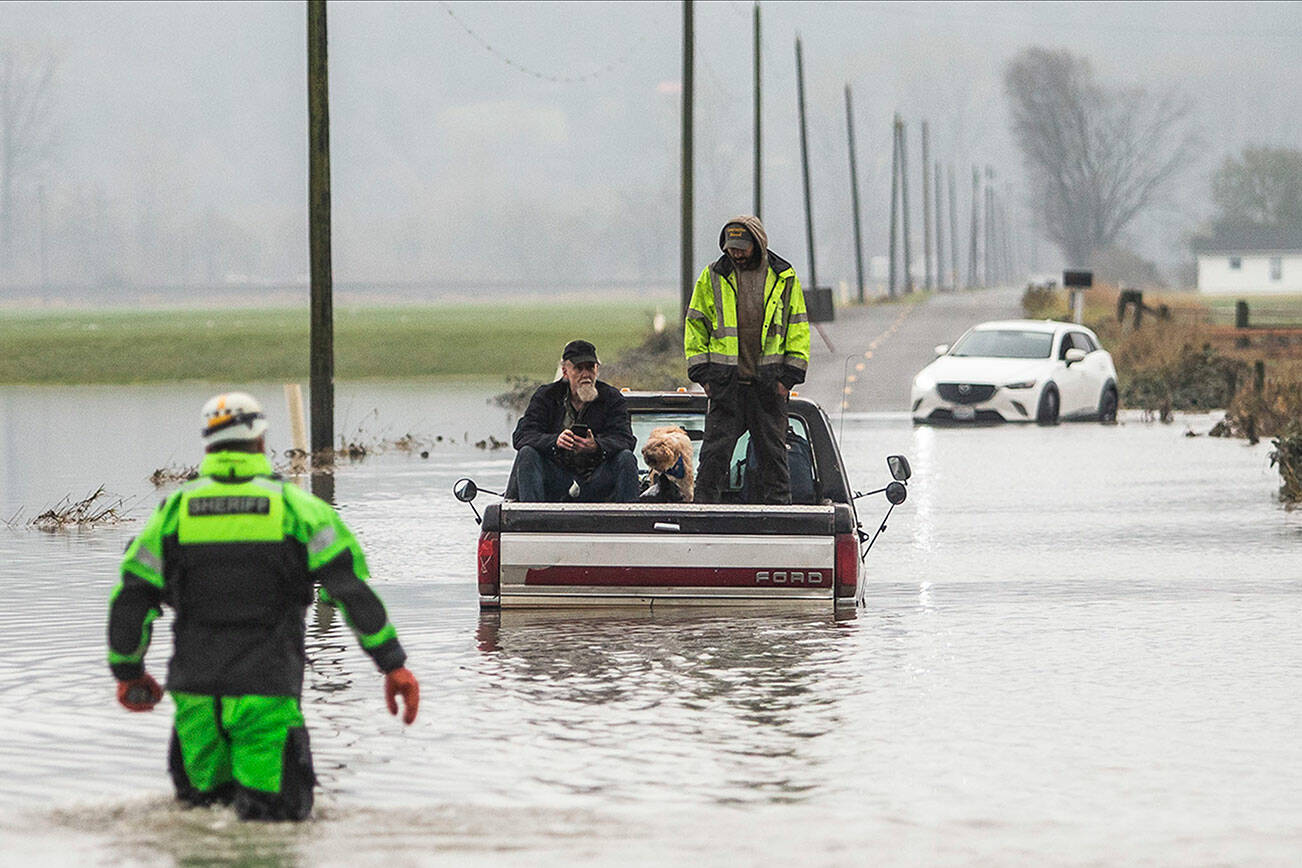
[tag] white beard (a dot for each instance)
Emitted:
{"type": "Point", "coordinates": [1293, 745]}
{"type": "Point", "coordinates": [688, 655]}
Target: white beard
{"type": "Point", "coordinates": [587, 392]}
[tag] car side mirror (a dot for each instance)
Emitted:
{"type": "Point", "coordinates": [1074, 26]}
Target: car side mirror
{"type": "Point", "coordinates": [1075, 354]}
{"type": "Point", "coordinates": [896, 493]}
{"type": "Point", "coordinates": [900, 470]}
{"type": "Point", "coordinates": [940, 349]}
{"type": "Point", "coordinates": [464, 489]}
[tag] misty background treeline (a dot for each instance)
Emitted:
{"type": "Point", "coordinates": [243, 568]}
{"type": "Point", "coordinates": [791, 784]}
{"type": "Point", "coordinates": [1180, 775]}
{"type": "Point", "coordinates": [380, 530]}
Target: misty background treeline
{"type": "Point", "coordinates": [150, 150]}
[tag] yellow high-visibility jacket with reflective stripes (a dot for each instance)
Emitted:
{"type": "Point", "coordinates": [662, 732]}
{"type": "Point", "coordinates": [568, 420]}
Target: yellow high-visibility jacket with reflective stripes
{"type": "Point", "coordinates": [710, 326]}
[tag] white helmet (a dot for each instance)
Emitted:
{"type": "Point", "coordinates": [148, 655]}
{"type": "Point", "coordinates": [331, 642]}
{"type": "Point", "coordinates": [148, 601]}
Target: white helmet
{"type": "Point", "coordinates": [232, 416]}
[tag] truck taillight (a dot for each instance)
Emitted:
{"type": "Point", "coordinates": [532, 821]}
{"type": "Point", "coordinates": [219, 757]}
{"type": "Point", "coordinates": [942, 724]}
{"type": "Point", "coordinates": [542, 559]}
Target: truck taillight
{"type": "Point", "coordinates": [847, 564]}
{"type": "Point", "coordinates": [490, 564]}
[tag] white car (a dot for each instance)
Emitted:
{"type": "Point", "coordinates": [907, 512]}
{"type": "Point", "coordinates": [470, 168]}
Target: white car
{"type": "Point", "coordinates": [1018, 371]}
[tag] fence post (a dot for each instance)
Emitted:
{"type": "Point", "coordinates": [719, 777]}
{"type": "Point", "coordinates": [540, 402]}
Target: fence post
{"type": "Point", "coordinates": [1240, 314]}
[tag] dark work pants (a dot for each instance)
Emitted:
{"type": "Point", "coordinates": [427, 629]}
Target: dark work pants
{"type": "Point", "coordinates": [538, 479]}
{"type": "Point", "coordinates": [735, 408]}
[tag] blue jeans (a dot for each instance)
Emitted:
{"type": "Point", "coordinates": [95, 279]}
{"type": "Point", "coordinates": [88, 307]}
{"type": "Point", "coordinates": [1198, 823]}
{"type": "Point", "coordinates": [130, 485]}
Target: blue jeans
{"type": "Point", "coordinates": [541, 480]}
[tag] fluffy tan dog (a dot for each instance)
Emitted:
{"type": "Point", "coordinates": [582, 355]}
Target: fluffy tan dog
{"type": "Point", "coordinates": [663, 451]}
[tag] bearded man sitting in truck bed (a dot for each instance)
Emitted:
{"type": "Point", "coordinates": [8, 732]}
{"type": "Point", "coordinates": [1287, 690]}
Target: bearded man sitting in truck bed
{"type": "Point", "coordinates": [575, 441]}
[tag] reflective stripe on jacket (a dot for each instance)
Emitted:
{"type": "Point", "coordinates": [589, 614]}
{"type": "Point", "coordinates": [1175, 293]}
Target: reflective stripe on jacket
{"type": "Point", "coordinates": [236, 554]}
{"type": "Point", "coordinates": [710, 327]}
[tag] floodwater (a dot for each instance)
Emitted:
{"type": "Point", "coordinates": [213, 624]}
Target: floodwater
{"type": "Point", "coordinates": [1079, 646]}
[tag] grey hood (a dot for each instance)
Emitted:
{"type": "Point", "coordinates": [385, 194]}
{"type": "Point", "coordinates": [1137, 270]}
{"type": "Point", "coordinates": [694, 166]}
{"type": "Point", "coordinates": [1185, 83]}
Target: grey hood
{"type": "Point", "coordinates": [753, 225]}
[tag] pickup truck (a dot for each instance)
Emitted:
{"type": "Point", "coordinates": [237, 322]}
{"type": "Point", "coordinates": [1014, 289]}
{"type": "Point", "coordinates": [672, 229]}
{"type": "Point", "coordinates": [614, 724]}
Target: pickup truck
{"type": "Point", "coordinates": [652, 553]}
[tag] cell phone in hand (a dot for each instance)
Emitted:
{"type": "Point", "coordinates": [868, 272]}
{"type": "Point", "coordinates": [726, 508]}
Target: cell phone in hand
{"type": "Point", "coordinates": [581, 431]}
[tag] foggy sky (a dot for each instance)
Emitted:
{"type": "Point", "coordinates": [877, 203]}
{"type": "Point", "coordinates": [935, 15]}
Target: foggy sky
{"type": "Point", "coordinates": [181, 154]}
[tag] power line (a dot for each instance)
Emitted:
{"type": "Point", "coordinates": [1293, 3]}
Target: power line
{"type": "Point", "coordinates": [521, 68]}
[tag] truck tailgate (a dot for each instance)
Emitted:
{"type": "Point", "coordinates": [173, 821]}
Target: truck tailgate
{"type": "Point", "coordinates": [685, 553]}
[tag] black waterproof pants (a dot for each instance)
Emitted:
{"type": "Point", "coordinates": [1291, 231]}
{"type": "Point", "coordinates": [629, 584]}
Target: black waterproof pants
{"type": "Point", "coordinates": [735, 408]}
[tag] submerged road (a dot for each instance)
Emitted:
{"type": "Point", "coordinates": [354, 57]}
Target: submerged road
{"type": "Point", "coordinates": [876, 349]}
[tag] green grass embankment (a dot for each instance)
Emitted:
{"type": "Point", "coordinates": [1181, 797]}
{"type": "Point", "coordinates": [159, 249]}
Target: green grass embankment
{"type": "Point", "coordinates": [240, 346]}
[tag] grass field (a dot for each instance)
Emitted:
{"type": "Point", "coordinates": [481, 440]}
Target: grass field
{"type": "Point", "coordinates": [239, 346]}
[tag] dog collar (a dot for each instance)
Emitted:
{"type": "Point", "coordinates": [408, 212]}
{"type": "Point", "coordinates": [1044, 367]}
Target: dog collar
{"type": "Point", "coordinates": [678, 471]}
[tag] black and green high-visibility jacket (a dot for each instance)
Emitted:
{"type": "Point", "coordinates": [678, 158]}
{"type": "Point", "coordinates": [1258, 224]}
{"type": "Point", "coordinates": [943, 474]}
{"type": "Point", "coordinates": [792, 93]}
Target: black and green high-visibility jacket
{"type": "Point", "coordinates": [236, 554]}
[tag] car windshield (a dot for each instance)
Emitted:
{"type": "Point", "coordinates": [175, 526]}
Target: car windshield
{"type": "Point", "coordinates": [1004, 344]}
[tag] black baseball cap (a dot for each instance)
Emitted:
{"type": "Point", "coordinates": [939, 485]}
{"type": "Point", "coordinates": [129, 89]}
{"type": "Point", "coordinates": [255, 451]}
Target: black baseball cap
{"type": "Point", "coordinates": [578, 352]}
{"type": "Point", "coordinates": [737, 236]}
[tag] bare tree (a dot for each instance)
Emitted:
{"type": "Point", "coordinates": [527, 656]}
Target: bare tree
{"type": "Point", "coordinates": [26, 128]}
{"type": "Point", "coordinates": [1097, 156]}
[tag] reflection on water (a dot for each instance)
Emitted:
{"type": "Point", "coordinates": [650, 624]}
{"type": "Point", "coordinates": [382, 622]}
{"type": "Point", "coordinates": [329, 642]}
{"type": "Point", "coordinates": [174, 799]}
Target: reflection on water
{"type": "Point", "coordinates": [1078, 645]}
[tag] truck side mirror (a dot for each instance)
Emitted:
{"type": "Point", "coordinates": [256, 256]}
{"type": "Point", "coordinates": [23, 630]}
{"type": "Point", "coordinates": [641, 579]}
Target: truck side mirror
{"type": "Point", "coordinates": [464, 489]}
{"type": "Point", "coordinates": [900, 470]}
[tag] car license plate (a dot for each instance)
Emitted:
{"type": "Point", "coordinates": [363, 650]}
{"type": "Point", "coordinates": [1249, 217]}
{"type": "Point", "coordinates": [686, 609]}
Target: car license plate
{"type": "Point", "coordinates": [965, 414]}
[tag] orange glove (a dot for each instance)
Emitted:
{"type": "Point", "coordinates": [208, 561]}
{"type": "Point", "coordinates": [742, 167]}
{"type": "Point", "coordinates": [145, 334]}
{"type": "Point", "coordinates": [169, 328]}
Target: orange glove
{"type": "Point", "coordinates": [401, 681]}
{"type": "Point", "coordinates": [139, 694]}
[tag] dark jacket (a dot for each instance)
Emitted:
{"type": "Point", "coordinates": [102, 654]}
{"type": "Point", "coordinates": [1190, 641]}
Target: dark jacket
{"type": "Point", "coordinates": [607, 416]}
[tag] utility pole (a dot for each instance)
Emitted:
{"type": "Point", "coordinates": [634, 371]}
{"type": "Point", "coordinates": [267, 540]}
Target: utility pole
{"type": "Point", "coordinates": [895, 197]}
{"type": "Point", "coordinates": [904, 207]}
{"type": "Point", "coordinates": [685, 220]}
{"type": "Point", "coordinates": [926, 207]}
{"type": "Point", "coordinates": [804, 165]}
{"type": "Point", "coordinates": [759, 175]}
{"type": "Point", "coordinates": [990, 263]}
{"type": "Point", "coordinates": [45, 259]}
{"type": "Point", "coordinates": [953, 230]}
{"type": "Point", "coordinates": [854, 194]}
{"type": "Point", "coordinates": [976, 219]}
{"type": "Point", "coordinates": [322, 366]}
{"type": "Point", "coordinates": [940, 229]}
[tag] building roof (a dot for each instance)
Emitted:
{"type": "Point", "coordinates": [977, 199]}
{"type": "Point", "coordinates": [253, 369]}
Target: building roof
{"type": "Point", "coordinates": [1250, 239]}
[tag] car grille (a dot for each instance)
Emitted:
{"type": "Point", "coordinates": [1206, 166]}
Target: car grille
{"type": "Point", "coordinates": [965, 393]}
{"type": "Point", "coordinates": [942, 415]}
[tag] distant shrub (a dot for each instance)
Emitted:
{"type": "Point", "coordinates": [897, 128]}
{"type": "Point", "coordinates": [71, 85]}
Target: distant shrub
{"type": "Point", "coordinates": [1194, 379]}
{"type": "Point", "coordinates": [1287, 455]}
{"type": "Point", "coordinates": [1041, 301]}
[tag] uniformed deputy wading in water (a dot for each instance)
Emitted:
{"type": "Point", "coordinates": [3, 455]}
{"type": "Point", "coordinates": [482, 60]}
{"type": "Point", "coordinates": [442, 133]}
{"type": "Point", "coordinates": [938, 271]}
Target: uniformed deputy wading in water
{"type": "Point", "coordinates": [236, 554]}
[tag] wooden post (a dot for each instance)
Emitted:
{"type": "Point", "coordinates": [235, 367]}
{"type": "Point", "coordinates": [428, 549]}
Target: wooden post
{"type": "Point", "coordinates": [322, 366]}
{"type": "Point", "coordinates": [895, 199]}
{"type": "Point", "coordinates": [926, 207]}
{"type": "Point", "coordinates": [1240, 314]}
{"type": "Point", "coordinates": [804, 165]}
{"type": "Point", "coordinates": [854, 195]}
{"type": "Point", "coordinates": [686, 252]}
{"type": "Point", "coordinates": [904, 207]}
{"type": "Point", "coordinates": [759, 175]}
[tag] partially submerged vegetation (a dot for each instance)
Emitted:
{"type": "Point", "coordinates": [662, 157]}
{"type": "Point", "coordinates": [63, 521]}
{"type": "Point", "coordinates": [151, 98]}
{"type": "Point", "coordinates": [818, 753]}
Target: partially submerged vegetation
{"type": "Point", "coordinates": [174, 473]}
{"type": "Point", "coordinates": [1287, 455]}
{"type": "Point", "coordinates": [96, 508]}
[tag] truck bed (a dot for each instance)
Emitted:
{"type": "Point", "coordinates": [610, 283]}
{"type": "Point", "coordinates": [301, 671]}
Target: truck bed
{"type": "Point", "coordinates": [644, 553]}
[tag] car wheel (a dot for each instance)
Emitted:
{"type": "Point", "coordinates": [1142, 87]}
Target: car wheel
{"type": "Point", "coordinates": [1108, 405]}
{"type": "Point", "coordinates": [1047, 414]}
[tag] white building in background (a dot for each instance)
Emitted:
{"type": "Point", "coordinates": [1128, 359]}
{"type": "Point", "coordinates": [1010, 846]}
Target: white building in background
{"type": "Point", "coordinates": [1252, 263]}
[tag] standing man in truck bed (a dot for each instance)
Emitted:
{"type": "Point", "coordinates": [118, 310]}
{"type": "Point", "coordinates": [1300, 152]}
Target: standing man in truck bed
{"type": "Point", "coordinates": [746, 338]}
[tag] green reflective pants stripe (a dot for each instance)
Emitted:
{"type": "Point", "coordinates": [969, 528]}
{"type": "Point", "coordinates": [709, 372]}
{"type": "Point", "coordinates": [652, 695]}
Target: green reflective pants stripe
{"type": "Point", "coordinates": [234, 738]}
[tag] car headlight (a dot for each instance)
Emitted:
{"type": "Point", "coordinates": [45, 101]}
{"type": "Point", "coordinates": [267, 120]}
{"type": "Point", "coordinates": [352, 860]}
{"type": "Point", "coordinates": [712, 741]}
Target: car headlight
{"type": "Point", "coordinates": [1024, 384]}
{"type": "Point", "coordinates": [924, 382]}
